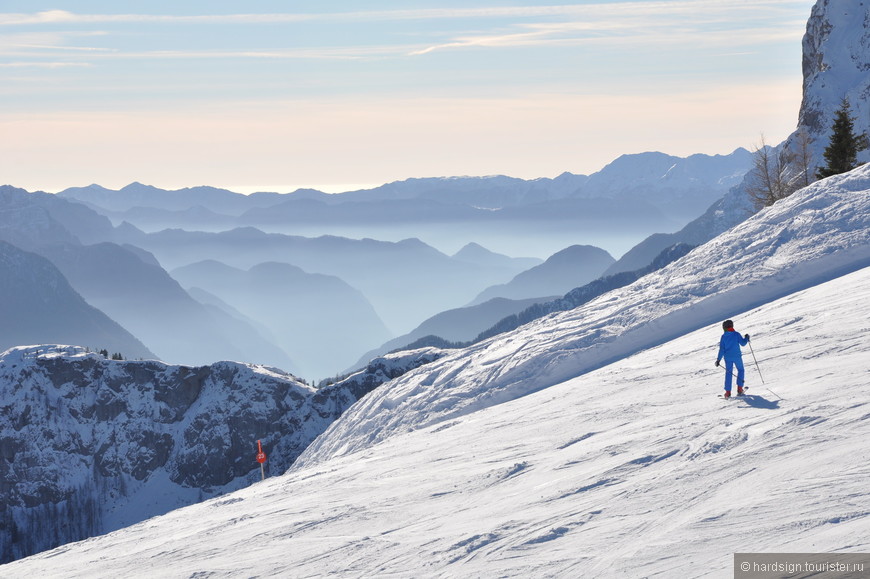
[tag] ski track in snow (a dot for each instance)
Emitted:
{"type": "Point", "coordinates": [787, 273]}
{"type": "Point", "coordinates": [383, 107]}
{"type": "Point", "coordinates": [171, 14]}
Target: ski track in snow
{"type": "Point", "coordinates": [554, 465]}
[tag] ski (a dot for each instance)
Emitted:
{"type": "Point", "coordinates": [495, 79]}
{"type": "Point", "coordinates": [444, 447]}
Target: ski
{"type": "Point", "coordinates": [733, 396]}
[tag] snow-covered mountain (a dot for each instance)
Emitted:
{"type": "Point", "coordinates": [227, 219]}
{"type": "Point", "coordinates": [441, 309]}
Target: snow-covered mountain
{"type": "Point", "coordinates": [89, 445]}
{"type": "Point", "coordinates": [836, 62]}
{"type": "Point", "coordinates": [589, 443]}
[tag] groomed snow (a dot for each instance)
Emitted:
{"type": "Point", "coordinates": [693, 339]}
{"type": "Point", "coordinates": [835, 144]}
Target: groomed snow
{"type": "Point", "coordinates": [602, 451]}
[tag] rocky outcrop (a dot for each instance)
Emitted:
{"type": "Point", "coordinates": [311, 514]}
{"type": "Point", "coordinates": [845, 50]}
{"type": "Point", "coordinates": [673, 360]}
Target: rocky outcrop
{"type": "Point", "coordinates": [89, 445]}
{"type": "Point", "coordinates": [836, 65]}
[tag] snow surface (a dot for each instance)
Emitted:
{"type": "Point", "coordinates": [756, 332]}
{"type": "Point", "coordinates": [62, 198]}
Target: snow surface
{"type": "Point", "coordinates": [590, 443]}
{"type": "Point", "coordinates": [814, 235]}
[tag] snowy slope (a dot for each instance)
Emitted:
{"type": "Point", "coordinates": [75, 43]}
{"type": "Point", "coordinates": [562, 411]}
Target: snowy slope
{"type": "Point", "coordinates": [635, 469]}
{"type": "Point", "coordinates": [814, 235]}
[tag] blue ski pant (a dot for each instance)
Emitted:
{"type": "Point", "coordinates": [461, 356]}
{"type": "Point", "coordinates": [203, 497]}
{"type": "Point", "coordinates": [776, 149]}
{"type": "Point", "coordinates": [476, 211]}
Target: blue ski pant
{"type": "Point", "coordinates": [729, 373]}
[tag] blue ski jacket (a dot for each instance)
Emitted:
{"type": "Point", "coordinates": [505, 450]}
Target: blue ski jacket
{"type": "Point", "coordinates": [729, 346]}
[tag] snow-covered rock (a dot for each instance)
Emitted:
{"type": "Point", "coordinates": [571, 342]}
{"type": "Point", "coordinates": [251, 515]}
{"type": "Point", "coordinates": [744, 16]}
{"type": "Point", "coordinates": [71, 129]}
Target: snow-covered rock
{"type": "Point", "coordinates": [836, 65]}
{"type": "Point", "coordinates": [384, 368]}
{"type": "Point", "coordinates": [89, 445]}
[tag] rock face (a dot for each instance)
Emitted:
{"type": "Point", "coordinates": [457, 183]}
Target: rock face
{"type": "Point", "coordinates": [89, 445]}
{"type": "Point", "coordinates": [836, 65]}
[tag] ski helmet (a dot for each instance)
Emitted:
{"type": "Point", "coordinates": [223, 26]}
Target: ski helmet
{"type": "Point", "coordinates": [727, 325]}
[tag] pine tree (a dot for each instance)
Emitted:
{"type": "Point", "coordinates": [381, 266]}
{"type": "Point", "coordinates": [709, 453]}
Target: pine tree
{"type": "Point", "coordinates": [842, 152]}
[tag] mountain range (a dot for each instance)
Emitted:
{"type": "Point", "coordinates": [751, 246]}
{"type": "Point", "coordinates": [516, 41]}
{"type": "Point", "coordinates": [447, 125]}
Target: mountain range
{"type": "Point", "coordinates": [683, 187]}
{"type": "Point", "coordinates": [405, 281]}
{"type": "Point", "coordinates": [124, 282]}
{"type": "Point", "coordinates": [634, 196]}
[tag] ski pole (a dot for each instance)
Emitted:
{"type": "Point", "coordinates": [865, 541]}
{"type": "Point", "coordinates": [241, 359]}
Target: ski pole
{"type": "Point", "coordinates": [756, 362]}
{"type": "Point", "coordinates": [775, 394]}
{"type": "Point", "coordinates": [747, 388]}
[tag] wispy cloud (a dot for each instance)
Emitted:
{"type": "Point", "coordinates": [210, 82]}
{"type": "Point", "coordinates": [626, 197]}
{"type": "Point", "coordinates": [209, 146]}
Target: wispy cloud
{"type": "Point", "coordinates": [624, 22]}
{"type": "Point", "coordinates": [45, 64]}
{"type": "Point", "coordinates": [706, 22]}
{"type": "Point", "coordinates": [65, 17]}
{"type": "Point", "coordinates": [599, 10]}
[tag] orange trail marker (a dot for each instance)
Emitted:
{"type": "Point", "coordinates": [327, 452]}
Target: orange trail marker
{"type": "Point", "coordinates": [261, 458]}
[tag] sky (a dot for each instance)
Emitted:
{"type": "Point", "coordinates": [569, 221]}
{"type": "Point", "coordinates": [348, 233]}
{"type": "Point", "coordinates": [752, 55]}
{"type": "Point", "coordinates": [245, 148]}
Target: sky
{"type": "Point", "coordinates": [277, 95]}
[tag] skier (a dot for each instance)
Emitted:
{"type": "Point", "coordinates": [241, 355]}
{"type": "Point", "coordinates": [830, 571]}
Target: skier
{"type": "Point", "coordinates": [729, 348]}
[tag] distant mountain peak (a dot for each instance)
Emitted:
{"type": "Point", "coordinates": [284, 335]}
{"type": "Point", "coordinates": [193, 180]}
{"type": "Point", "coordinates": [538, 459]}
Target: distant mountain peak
{"type": "Point", "coordinates": [472, 250]}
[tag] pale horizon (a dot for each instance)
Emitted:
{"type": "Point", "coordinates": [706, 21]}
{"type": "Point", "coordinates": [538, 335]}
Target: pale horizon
{"type": "Point", "coordinates": [266, 99]}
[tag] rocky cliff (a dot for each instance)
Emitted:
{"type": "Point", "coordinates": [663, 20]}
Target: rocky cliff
{"type": "Point", "coordinates": [836, 65]}
{"type": "Point", "coordinates": [90, 445]}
